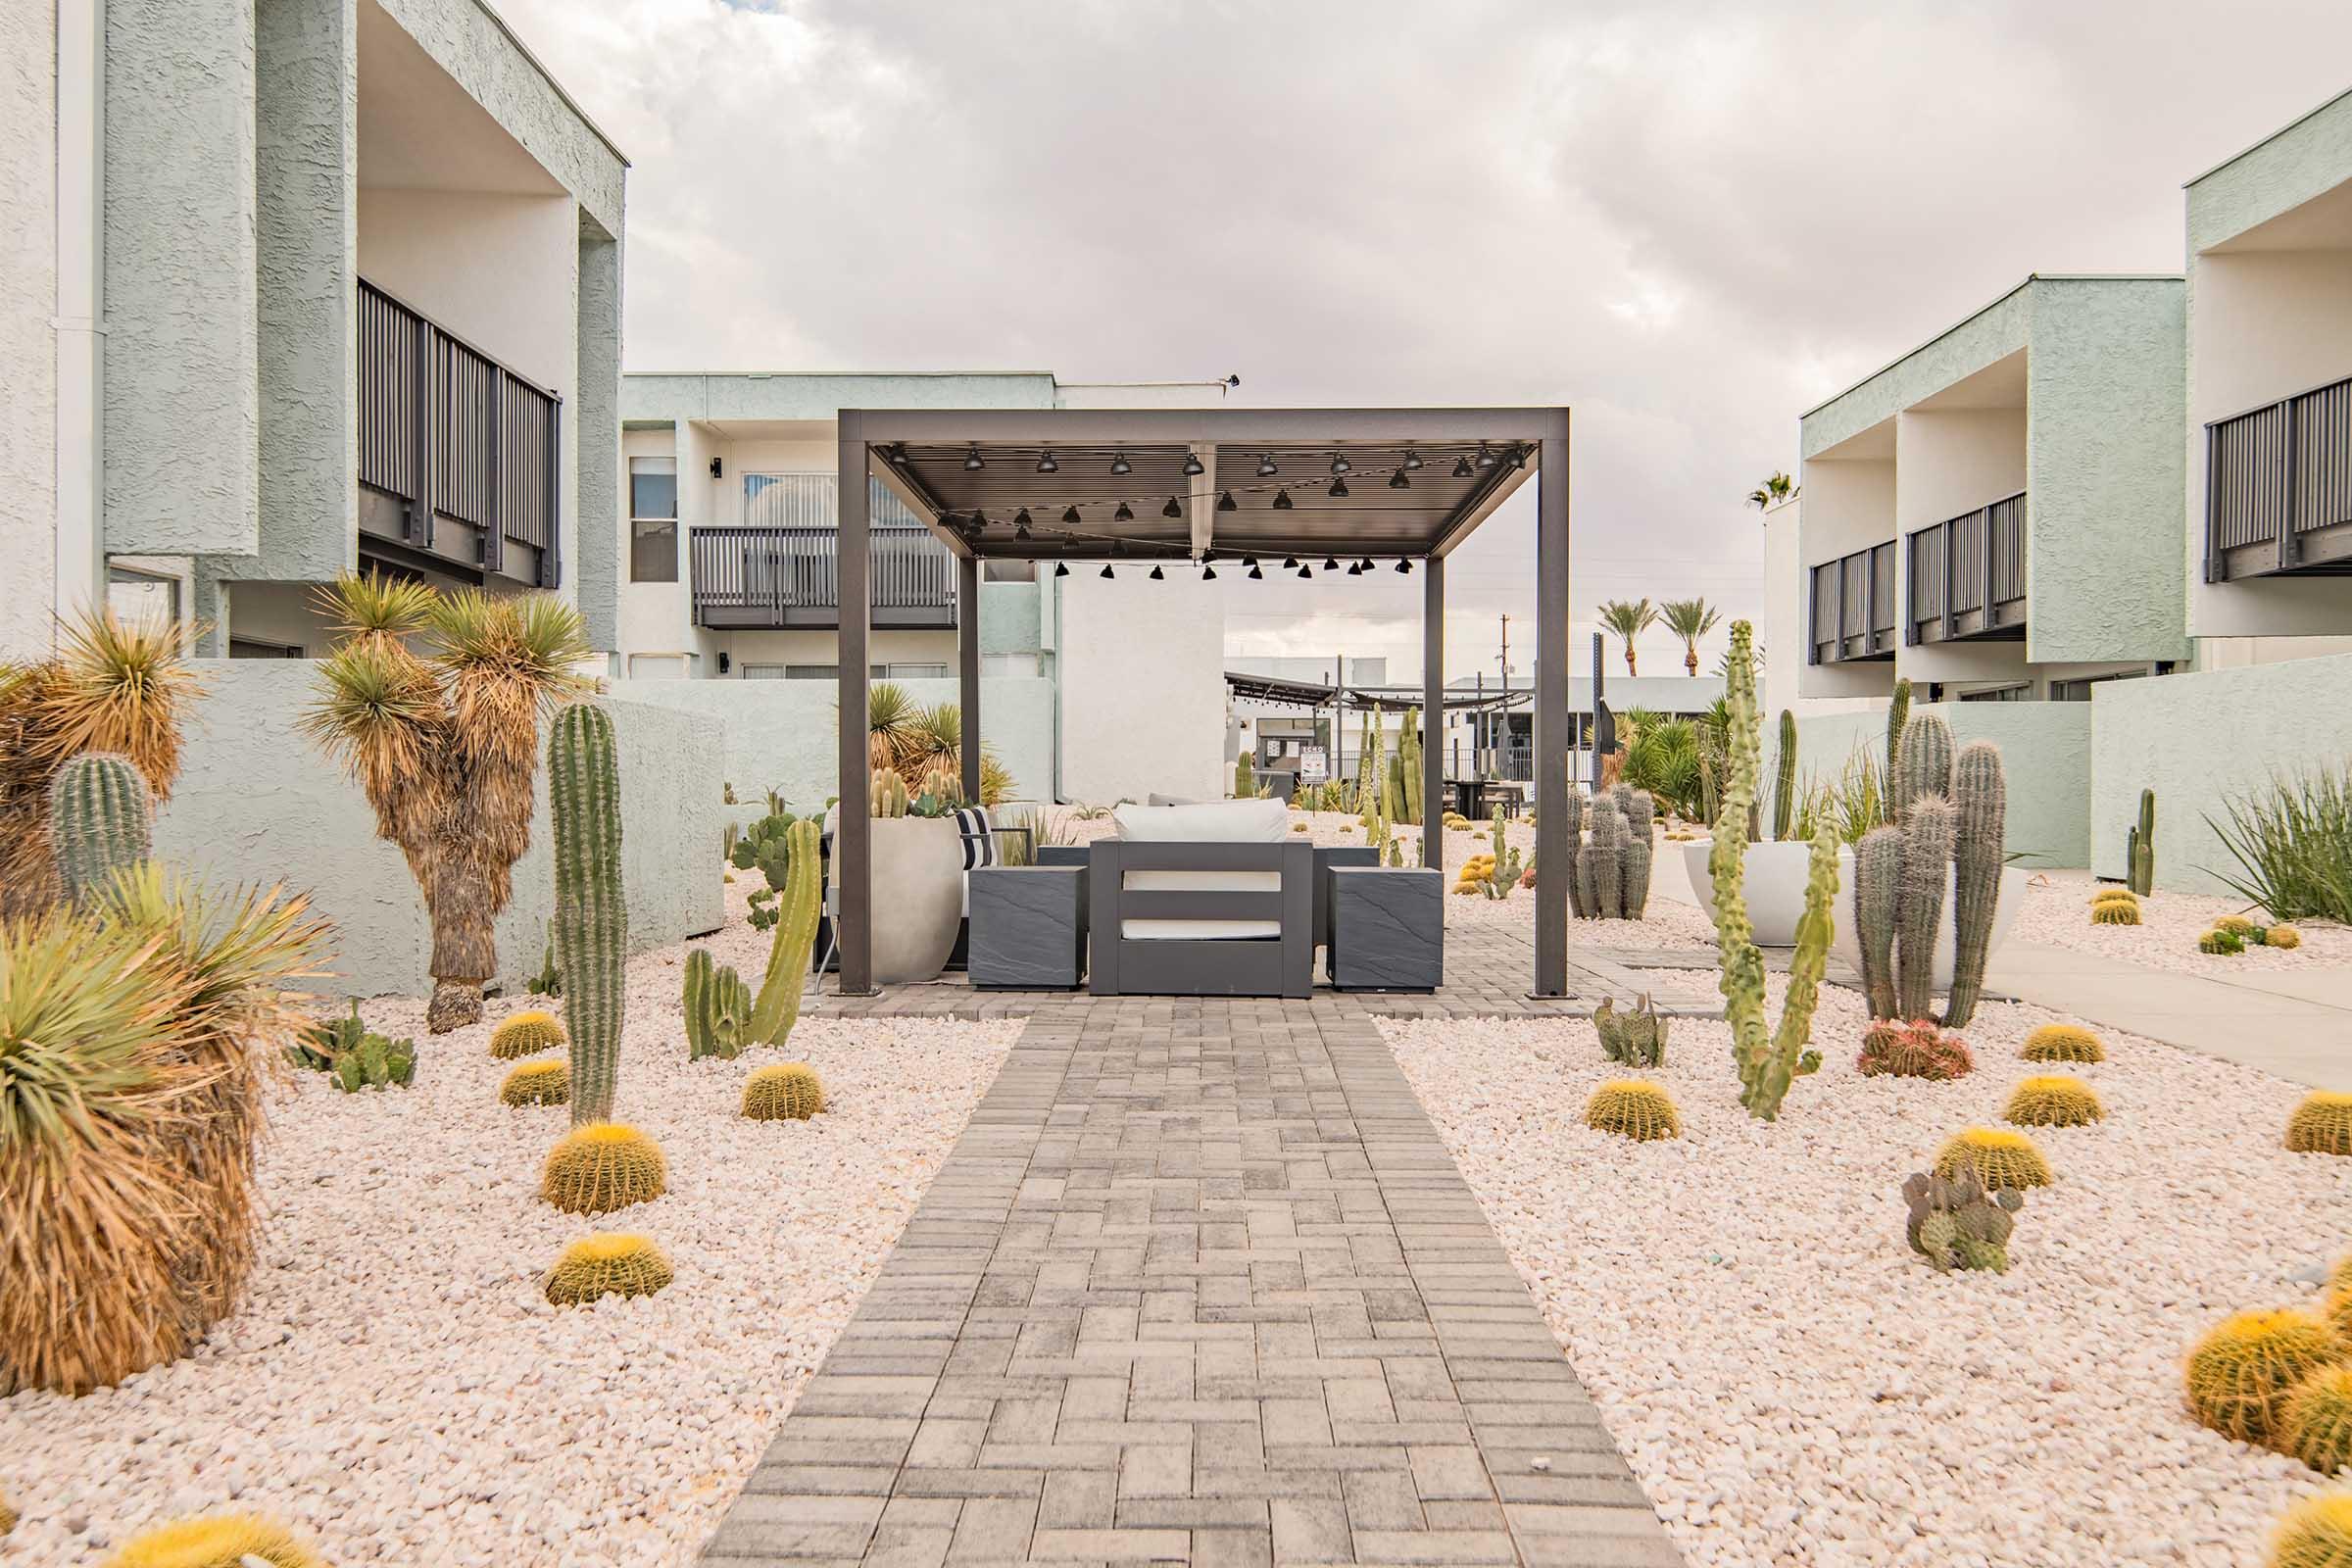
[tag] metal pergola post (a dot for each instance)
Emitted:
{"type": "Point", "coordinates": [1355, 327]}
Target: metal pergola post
{"type": "Point", "coordinates": [853, 831]}
{"type": "Point", "coordinates": [1433, 711]}
{"type": "Point", "coordinates": [1551, 713]}
{"type": "Point", "coordinates": [967, 669]}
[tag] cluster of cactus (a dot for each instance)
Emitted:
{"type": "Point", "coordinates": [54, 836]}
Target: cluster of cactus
{"type": "Point", "coordinates": [719, 1008]}
{"type": "Point", "coordinates": [525, 1034]}
{"type": "Point", "coordinates": [2114, 907]}
{"type": "Point", "coordinates": [1632, 1039]}
{"type": "Point", "coordinates": [536, 1083]}
{"type": "Point", "coordinates": [2233, 934]}
{"type": "Point", "coordinates": [216, 1541]}
{"type": "Point", "coordinates": [2240, 1375]}
{"type": "Point", "coordinates": [549, 981]}
{"type": "Point", "coordinates": [602, 1166]}
{"type": "Point", "coordinates": [941, 783]}
{"type": "Point", "coordinates": [606, 1263]}
{"type": "Point", "coordinates": [100, 821]}
{"type": "Point", "coordinates": [1784, 780]}
{"type": "Point", "coordinates": [2063, 1041]}
{"type": "Point", "coordinates": [1916, 1050]}
{"type": "Point", "coordinates": [1956, 1223]}
{"type": "Point", "coordinates": [591, 924]}
{"type": "Point", "coordinates": [886, 793]}
{"type": "Point", "coordinates": [791, 1092]}
{"type": "Point", "coordinates": [2321, 1124]}
{"type": "Point", "coordinates": [355, 1056]}
{"type": "Point", "coordinates": [1409, 782]}
{"type": "Point", "coordinates": [763, 848]}
{"type": "Point", "coordinates": [1476, 876]}
{"type": "Point", "coordinates": [1455, 823]}
{"type": "Point", "coordinates": [2221, 943]}
{"type": "Point", "coordinates": [1944, 813]}
{"type": "Point", "coordinates": [1631, 1108]}
{"type": "Point", "coordinates": [722, 1016]}
{"type": "Point", "coordinates": [2139, 848]}
{"type": "Point", "coordinates": [1769, 1059]}
{"type": "Point", "coordinates": [2315, 1422]}
{"type": "Point", "coordinates": [1609, 872]}
{"type": "Point", "coordinates": [1999, 1158]}
{"type": "Point", "coordinates": [2053, 1100]}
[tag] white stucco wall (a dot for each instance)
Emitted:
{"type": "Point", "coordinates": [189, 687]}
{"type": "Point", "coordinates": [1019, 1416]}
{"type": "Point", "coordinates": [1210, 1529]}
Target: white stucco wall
{"type": "Point", "coordinates": [1142, 687]}
{"type": "Point", "coordinates": [1849, 504]}
{"type": "Point", "coordinates": [1949, 461]}
{"type": "Point", "coordinates": [256, 803]}
{"type": "Point", "coordinates": [28, 344]}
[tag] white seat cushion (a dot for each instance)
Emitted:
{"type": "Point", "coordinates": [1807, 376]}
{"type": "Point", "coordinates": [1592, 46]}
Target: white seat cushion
{"type": "Point", "coordinates": [1209, 822]}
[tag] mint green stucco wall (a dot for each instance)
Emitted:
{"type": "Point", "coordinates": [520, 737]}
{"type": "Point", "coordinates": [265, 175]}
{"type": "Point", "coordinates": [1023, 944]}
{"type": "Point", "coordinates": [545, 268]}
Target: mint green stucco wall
{"type": "Point", "coordinates": [2282, 170]}
{"type": "Point", "coordinates": [2045, 756]}
{"type": "Point", "coordinates": [1008, 617]}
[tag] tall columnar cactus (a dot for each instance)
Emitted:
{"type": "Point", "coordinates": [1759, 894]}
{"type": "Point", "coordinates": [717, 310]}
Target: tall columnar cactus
{"type": "Point", "coordinates": [1927, 851]}
{"type": "Point", "coordinates": [1923, 765]}
{"type": "Point", "coordinates": [1244, 778]}
{"type": "Point", "coordinates": [1784, 779]}
{"type": "Point", "coordinates": [1408, 759]}
{"type": "Point", "coordinates": [1979, 810]}
{"type": "Point", "coordinates": [1950, 832]}
{"type": "Point", "coordinates": [719, 1008]}
{"type": "Point", "coordinates": [887, 793]}
{"type": "Point", "coordinates": [1609, 877]}
{"type": "Point", "coordinates": [1769, 1059]}
{"type": "Point", "coordinates": [1898, 714]}
{"type": "Point", "coordinates": [2139, 850]}
{"type": "Point", "coordinates": [779, 1005]}
{"type": "Point", "coordinates": [101, 821]}
{"type": "Point", "coordinates": [591, 925]}
{"type": "Point", "coordinates": [1367, 795]}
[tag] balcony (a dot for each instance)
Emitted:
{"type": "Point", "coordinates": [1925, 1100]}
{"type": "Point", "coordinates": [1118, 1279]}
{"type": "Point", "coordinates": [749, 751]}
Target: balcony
{"type": "Point", "coordinates": [772, 579]}
{"type": "Point", "coordinates": [1853, 608]}
{"type": "Point", "coordinates": [2279, 488]}
{"type": "Point", "coordinates": [1968, 577]}
{"type": "Point", "coordinates": [459, 458]}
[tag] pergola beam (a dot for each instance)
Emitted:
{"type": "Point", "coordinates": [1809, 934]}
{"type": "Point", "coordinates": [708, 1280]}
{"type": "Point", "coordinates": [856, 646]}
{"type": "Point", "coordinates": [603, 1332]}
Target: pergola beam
{"type": "Point", "coordinates": [1551, 716]}
{"type": "Point", "coordinates": [1432, 712]}
{"type": "Point", "coordinates": [853, 831]}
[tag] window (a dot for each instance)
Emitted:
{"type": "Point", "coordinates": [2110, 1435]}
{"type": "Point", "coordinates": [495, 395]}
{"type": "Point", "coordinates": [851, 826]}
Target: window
{"type": "Point", "coordinates": [812, 672]}
{"type": "Point", "coordinates": [2078, 690]}
{"type": "Point", "coordinates": [653, 520]}
{"type": "Point", "coordinates": [139, 595]}
{"type": "Point", "coordinates": [1008, 664]}
{"type": "Point", "coordinates": [247, 648]}
{"type": "Point", "coordinates": [660, 667]}
{"type": "Point", "coordinates": [2020, 693]}
{"type": "Point", "coordinates": [910, 673]}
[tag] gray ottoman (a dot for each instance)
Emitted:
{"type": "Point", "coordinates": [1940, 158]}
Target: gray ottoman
{"type": "Point", "coordinates": [1028, 927]}
{"type": "Point", "coordinates": [1388, 928]}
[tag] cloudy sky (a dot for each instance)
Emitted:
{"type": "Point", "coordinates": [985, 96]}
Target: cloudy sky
{"type": "Point", "coordinates": [1690, 222]}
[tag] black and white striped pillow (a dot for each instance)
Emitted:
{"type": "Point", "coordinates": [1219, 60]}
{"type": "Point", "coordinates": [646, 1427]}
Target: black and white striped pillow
{"type": "Point", "coordinates": [979, 839]}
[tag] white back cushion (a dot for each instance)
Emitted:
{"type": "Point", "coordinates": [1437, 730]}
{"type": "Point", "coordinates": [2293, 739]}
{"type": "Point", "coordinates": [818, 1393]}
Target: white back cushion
{"type": "Point", "coordinates": [1209, 822]}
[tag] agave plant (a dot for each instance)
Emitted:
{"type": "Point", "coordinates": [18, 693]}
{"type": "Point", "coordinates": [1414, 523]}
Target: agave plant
{"type": "Point", "coordinates": [113, 686]}
{"type": "Point", "coordinates": [445, 745]}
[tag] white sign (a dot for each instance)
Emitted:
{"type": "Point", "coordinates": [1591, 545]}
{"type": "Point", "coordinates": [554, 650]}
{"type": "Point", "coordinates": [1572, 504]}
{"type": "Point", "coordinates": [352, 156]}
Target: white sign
{"type": "Point", "coordinates": [1312, 766]}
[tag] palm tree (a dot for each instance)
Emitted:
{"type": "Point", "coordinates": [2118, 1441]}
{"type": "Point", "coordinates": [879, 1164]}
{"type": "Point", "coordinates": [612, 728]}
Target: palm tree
{"type": "Point", "coordinates": [1629, 621]}
{"type": "Point", "coordinates": [445, 745]}
{"type": "Point", "coordinates": [1772, 491]}
{"type": "Point", "coordinates": [1689, 620]}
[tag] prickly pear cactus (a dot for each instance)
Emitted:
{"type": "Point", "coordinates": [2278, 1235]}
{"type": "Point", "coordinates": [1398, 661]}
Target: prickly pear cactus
{"type": "Point", "coordinates": [1955, 1223]}
{"type": "Point", "coordinates": [1636, 1038]}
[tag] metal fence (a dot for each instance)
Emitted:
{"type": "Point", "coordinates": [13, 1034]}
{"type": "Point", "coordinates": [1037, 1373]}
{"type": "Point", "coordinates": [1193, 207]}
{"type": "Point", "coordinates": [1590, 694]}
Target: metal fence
{"type": "Point", "coordinates": [1968, 574]}
{"type": "Point", "coordinates": [2273, 476]}
{"type": "Point", "coordinates": [763, 576]}
{"type": "Point", "coordinates": [1853, 606]}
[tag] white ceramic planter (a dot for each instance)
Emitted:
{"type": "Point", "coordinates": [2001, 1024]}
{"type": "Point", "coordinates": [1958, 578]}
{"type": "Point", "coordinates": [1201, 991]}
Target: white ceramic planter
{"type": "Point", "coordinates": [919, 897]}
{"type": "Point", "coordinates": [1772, 883]}
{"type": "Point", "coordinates": [1848, 948]}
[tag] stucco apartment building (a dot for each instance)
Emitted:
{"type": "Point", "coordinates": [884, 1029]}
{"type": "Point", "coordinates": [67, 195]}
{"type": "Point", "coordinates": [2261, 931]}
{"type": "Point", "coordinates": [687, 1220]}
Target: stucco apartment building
{"type": "Point", "coordinates": [2100, 516]}
{"type": "Point", "coordinates": [294, 286]}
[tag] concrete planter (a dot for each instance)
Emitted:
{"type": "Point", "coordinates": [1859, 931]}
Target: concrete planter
{"type": "Point", "coordinates": [1848, 949]}
{"type": "Point", "coordinates": [919, 897]}
{"type": "Point", "coordinates": [1773, 883]}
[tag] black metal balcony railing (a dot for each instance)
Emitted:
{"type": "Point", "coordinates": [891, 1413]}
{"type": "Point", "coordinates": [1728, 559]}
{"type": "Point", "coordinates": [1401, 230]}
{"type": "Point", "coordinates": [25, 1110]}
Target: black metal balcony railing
{"type": "Point", "coordinates": [455, 437]}
{"type": "Point", "coordinates": [1853, 607]}
{"type": "Point", "coordinates": [2278, 487]}
{"type": "Point", "coordinates": [1968, 575]}
{"type": "Point", "coordinates": [778, 578]}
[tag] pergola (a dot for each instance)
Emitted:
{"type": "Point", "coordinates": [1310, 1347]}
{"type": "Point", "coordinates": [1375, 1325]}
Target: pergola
{"type": "Point", "coordinates": [1248, 488]}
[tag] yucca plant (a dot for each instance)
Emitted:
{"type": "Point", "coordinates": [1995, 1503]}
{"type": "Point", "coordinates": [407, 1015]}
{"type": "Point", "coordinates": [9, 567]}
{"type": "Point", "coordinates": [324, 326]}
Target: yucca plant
{"type": "Point", "coordinates": [113, 686]}
{"type": "Point", "coordinates": [891, 712]}
{"type": "Point", "coordinates": [445, 745]}
{"type": "Point", "coordinates": [2293, 846]}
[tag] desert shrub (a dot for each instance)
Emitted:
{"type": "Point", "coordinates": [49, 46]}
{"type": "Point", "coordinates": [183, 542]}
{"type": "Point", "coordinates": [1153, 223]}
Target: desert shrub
{"type": "Point", "coordinates": [2239, 1374]}
{"type": "Point", "coordinates": [1631, 1108]}
{"type": "Point", "coordinates": [1999, 1158]}
{"type": "Point", "coordinates": [2055, 1100]}
{"type": "Point", "coordinates": [2292, 842]}
{"type": "Point", "coordinates": [604, 1264]}
{"type": "Point", "coordinates": [2063, 1041]}
{"type": "Point", "coordinates": [1918, 1049]}
{"type": "Point", "coordinates": [2321, 1125]}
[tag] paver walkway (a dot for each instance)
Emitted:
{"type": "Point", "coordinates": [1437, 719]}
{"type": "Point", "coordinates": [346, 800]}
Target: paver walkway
{"type": "Point", "coordinates": [1198, 1283]}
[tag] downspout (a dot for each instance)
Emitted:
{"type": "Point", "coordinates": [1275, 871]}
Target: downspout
{"type": "Point", "coordinates": [80, 321]}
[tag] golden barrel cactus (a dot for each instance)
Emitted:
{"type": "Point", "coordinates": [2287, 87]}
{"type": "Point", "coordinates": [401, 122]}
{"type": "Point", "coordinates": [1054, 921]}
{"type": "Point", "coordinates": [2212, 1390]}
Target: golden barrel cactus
{"type": "Point", "coordinates": [2237, 925]}
{"type": "Point", "coordinates": [2283, 936]}
{"type": "Point", "coordinates": [602, 1166]}
{"type": "Point", "coordinates": [2063, 1041]}
{"type": "Point", "coordinates": [2340, 1307]}
{"type": "Point", "coordinates": [2321, 1125]}
{"type": "Point", "coordinates": [2240, 1372]}
{"type": "Point", "coordinates": [536, 1083]}
{"type": "Point", "coordinates": [1999, 1158]}
{"type": "Point", "coordinates": [2315, 1423]}
{"type": "Point", "coordinates": [1631, 1108]}
{"type": "Point", "coordinates": [217, 1541]}
{"type": "Point", "coordinates": [2115, 911]}
{"type": "Point", "coordinates": [2054, 1100]}
{"type": "Point", "coordinates": [788, 1093]}
{"type": "Point", "coordinates": [2314, 1533]}
{"type": "Point", "coordinates": [606, 1263]}
{"type": "Point", "coordinates": [525, 1034]}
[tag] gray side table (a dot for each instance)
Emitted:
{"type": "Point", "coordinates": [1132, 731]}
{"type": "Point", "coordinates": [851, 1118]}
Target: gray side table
{"type": "Point", "coordinates": [1028, 927]}
{"type": "Point", "coordinates": [1388, 928]}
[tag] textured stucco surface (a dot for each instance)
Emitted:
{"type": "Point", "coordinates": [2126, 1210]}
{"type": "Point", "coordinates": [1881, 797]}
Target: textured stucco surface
{"type": "Point", "coordinates": [719, 396]}
{"type": "Point", "coordinates": [28, 345]}
{"type": "Point", "coordinates": [2198, 739]}
{"type": "Point", "coordinates": [779, 734]}
{"type": "Point", "coordinates": [595, 571]}
{"type": "Point", "coordinates": [258, 802]}
{"type": "Point", "coordinates": [2045, 755]}
{"type": "Point", "coordinates": [183, 390]}
{"type": "Point", "coordinates": [1008, 617]}
{"type": "Point", "coordinates": [1142, 668]}
{"type": "Point", "coordinates": [2107, 390]}
{"type": "Point", "coordinates": [1999, 328]}
{"type": "Point", "coordinates": [467, 41]}
{"type": "Point", "coordinates": [2286, 170]}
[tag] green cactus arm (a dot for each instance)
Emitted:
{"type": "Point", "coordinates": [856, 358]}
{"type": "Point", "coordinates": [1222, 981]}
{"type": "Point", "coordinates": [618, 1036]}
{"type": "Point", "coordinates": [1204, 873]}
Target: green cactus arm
{"type": "Point", "coordinates": [1784, 779]}
{"type": "Point", "coordinates": [1806, 965]}
{"type": "Point", "coordinates": [1927, 861]}
{"type": "Point", "coordinates": [779, 1005]}
{"type": "Point", "coordinates": [1898, 714]}
{"type": "Point", "coordinates": [1980, 805]}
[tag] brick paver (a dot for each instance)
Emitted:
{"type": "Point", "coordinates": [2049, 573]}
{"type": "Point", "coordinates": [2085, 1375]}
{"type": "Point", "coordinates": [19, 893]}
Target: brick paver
{"type": "Point", "coordinates": [1198, 1284]}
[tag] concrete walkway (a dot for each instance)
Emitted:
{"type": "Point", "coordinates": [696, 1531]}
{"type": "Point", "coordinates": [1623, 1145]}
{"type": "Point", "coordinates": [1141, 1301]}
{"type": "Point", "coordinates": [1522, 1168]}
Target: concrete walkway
{"type": "Point", "coordinates": [2296, 1024]}
{"type": "Point", "coordinates": [1198, 1284]}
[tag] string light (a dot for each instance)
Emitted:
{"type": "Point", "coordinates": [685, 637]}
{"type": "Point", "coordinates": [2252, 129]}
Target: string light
{"type": "Point", "coordinates": [1397, 481]}
{"type": "Point", "coordinates": [1290, 563]}
{"type": "Point", "coordinates": [1171, 510]}
{"type": "Point", "coordinates": [1208, 573]}
{"type": "Point", "coordinates": [1191, 465]}
{"type": "Point", "coordinates": [1404, 568]}
{"type": "Point", "coordinates": [973, 461]}
{"type": "Point", "coordinates": [1047, 464]}
{"type": "Point", "coordinates": [1341, 465]}
{"type": "Point", "coordinates": [1109, 574]}
{"type": "Point", "coordinates": [1338, 489]}
{"type": "Point", "coordinates": [1061, 569]}
{"type": "Point", "coordinates": [1329, 565]}
{"type": "Point", "coordinates": [1355, 570]}
{"type": "Point", "coordinates": [1412, 458]}
{"type": "Point", "coordinates": [1486, 458]}
{"type": "Point", "coordinates": [1364, 564]}
{"type": "Point", "coordinates": [1461, 467]}
{"type": "Point", "coordinates": [1226, 503]}
{"type": "Point", "coordinates": [1158, 575]}
{"type": "Point", "coordinates": [1265, 466]}
{"type": "Point", "coordinates": [1120, 465]}
{"type": "Point", "coordinates": [1020, 524]}
{"type": "Point", "coordinates": [1256, 573]}
{"type": "Point", "coordinates": [1306, 573]}
{"type": "Point", "coordinates": [1282, 501]}
{"type": "Point", "coordinates": [1069, 514]}
{"type": "Point", "coordinates": [1125, 513]}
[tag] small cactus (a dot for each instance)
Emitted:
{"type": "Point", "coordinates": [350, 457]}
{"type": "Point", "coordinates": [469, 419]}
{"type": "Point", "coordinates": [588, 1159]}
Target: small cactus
{"type": "Point", "coordinates": [2315, 1422]}
{"type": "Point", "coordinates": [2055, 1100]}
{"type": "Point", "coordinates": [100, 821]}
{"type": "Point", "coordinates": [606, 1263]}
{"type": "Point", "coordinates": [1955, 1223]}
{"type": "Point", "coordinates": [376, 1062]}
{"type": "Point", "coordinates": [1999, 1158]}
{"type": "Point", "coordinates": [2338, 1308]}
{"type": "Point", "coordinates": [1631, 1108]}
{"type": "Point", "coordinates": [791, 1092]}
{"type": "Point", "coordinates": [525, 1034]}
{"type": "Point", "coordinates": [2283, 936]}
{"type": "Point", "coordinates": [2241, 1371]}
{"type": "Point", "coordinates": [886, 793]}
{"type": "Point", "coordinates": [2063, 1041]}
{"type": "Point", "coordinates": [602, 1166]}
{"type": "Point", "coordinates": [2314, 1533]}
{"type": "Point", "coordinates": [1918, 1049]}
{"type": "Point", "coordinates": [2321, 1125]}
{"type": "Point", "coordinates": [217, 1541]}
{"type": "Point", "coordinates": [2115, 911]}
{"type": "Point", "coordinates": [2238, 926]}
{"type": "Point", "coordinates": [717, 1007]}
{"type": "Point", "coordinates": [536, 1083]}
{"type": "Point", "coordinates": [2221, 943]}
{"type": "Point", "coordinates": [1635, 1039]}
{"type": "Point", "coordinates": [2110, 894]}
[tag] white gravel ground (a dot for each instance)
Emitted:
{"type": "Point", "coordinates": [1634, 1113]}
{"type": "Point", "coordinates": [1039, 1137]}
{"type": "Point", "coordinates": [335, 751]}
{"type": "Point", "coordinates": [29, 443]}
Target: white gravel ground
{"type": "Point", "coordinates": [1793, 1386]}
{"type": "Point", "coordinates": [2057, 910]}
{"type": "Point", "coordinates": [397, 1387]}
